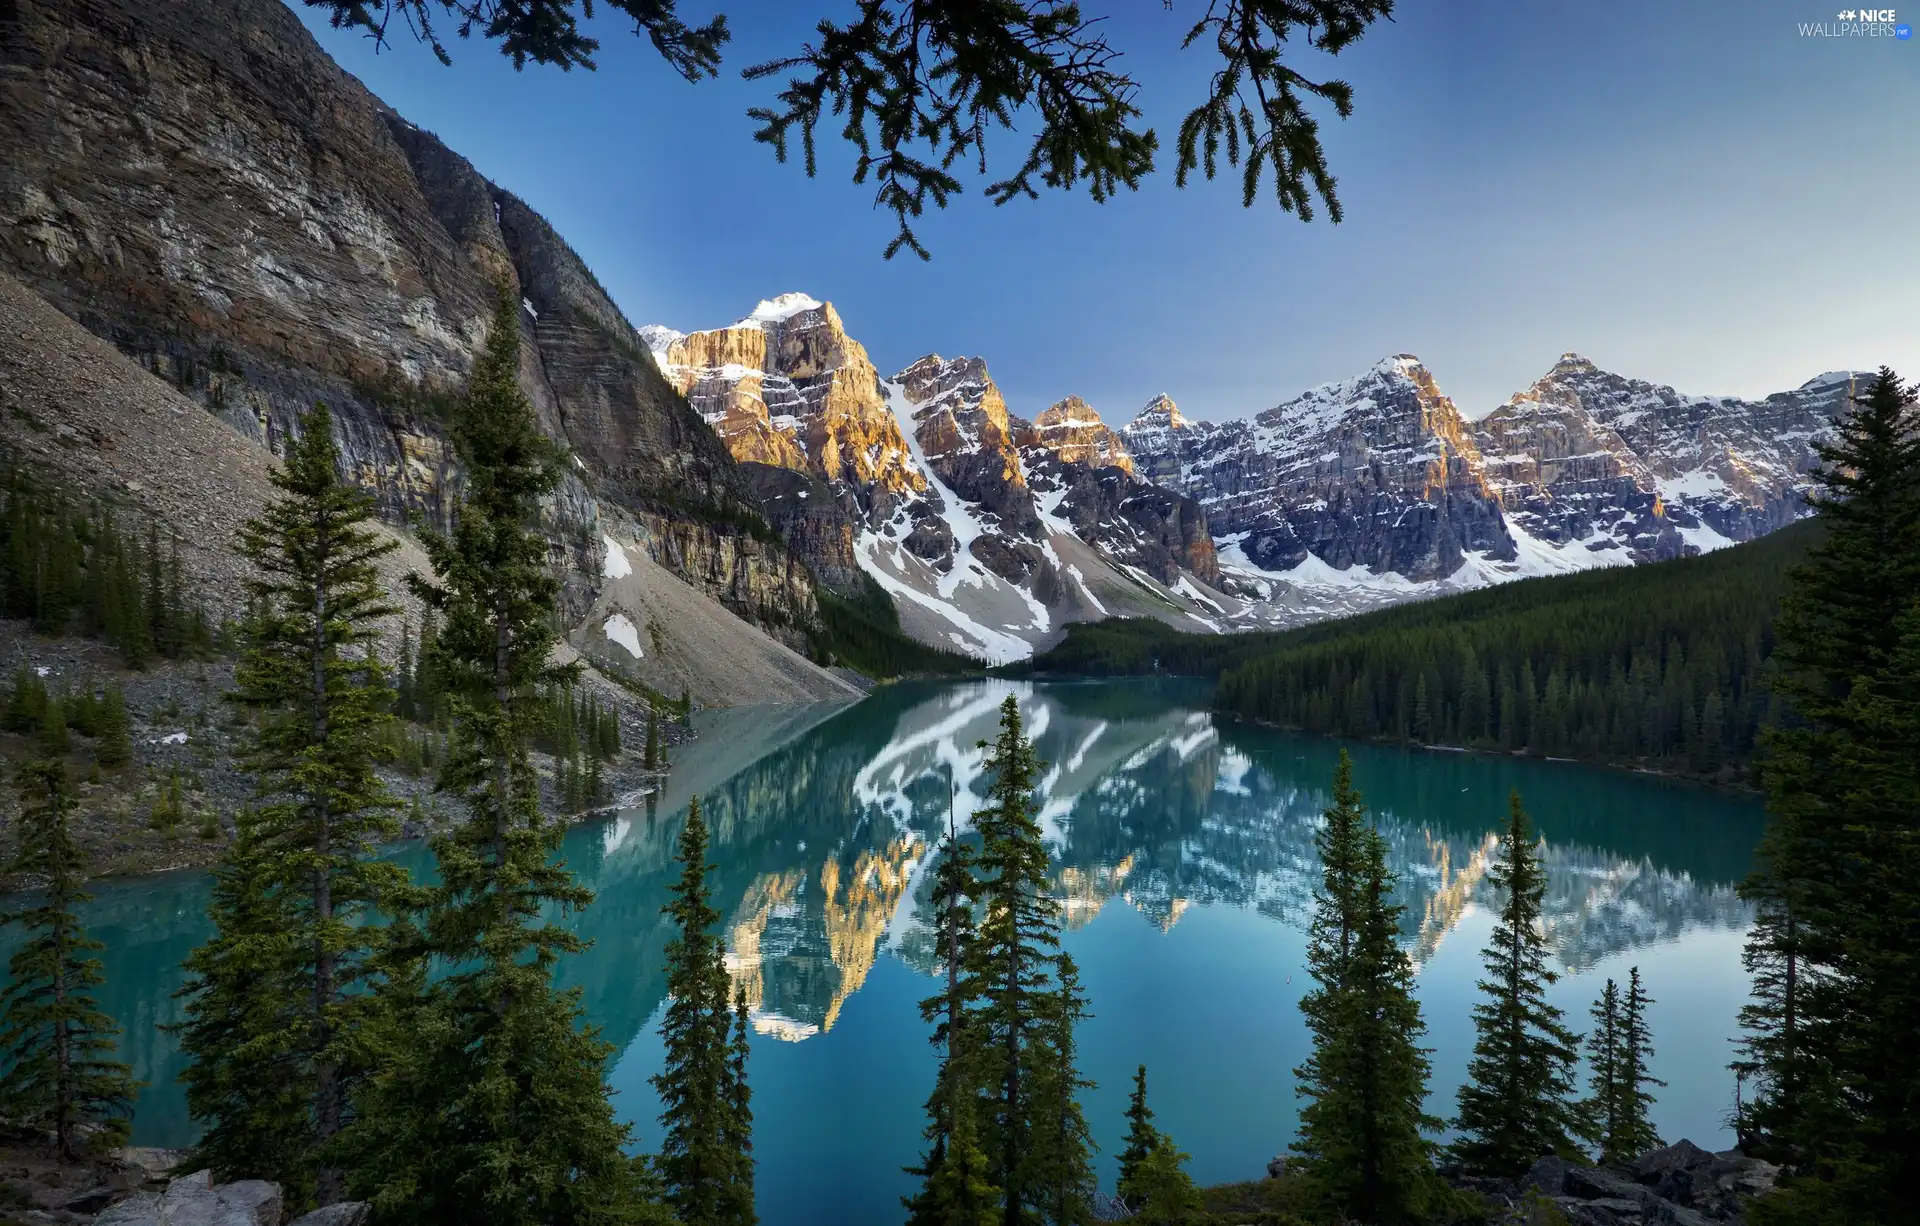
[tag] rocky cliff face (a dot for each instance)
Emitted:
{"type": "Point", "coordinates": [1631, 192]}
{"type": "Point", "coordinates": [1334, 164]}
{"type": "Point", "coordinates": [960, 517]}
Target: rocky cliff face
{"type": "Point", "coordinates": [1073, 431]}
{"type": "Point", "coordinates": [989, 530]}
{"type": "Point", "coordinates": [1375, 489]}
{"type": "Point", "coordinates": [1588, 456]}
{"type": "Point", "coordinates": [198, 183]}
{"type": "Point", "coordinates": [787, 386]}
{"type": "Point", "coordinates": [1378, 471]}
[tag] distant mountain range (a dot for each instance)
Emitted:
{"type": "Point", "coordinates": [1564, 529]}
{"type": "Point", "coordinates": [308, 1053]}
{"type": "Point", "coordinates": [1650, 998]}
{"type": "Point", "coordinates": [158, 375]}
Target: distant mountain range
{"type": "Point", "coordinates": [992, 531]}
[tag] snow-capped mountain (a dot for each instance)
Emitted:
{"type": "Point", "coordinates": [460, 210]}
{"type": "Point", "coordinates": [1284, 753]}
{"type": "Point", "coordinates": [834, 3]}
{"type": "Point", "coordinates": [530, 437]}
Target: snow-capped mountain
{"type": "Point", "coordinates": [1376, 489]}
{"type": "Point", "coordinates": [990, 531]}
{"type": "Point", "coordinates": [1584, 455]}
{"type": "Point", "coordinates": [993, 531]}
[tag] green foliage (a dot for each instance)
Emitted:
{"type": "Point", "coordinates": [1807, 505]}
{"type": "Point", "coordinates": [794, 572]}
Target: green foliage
{"type": "Point", "coordinates": [69, 569]}
{"type": "Point", "coordinates": [1161, 1192]}
{"type": "Point", "coordinates": [863, 632]}
{"type": "Point", "coordinates": [56, 1070]}
{"type": "Point", "coordinates": [1153, 1180]}
{"type": "Point", "coordinates": [1260, 1202]}
{"type": "Point", "coordinates": [1008, 1016]}
{"type": "Point", "coordinates": [249, 1085]}
{"type": "Point", "coordinates": [494, 1108]}
{"type": "Point", "coordinates": [1061, 1157]}
{"type": "Point", "coordinates": [322, 705]}
{"type": "Point", "coordinates": [1517, 1103]}
{"type": "Point", "coordinates": [581, 735]}
{"type": "Point", "coordinates": [956, 1184]}
{"type": "Point", "coordinates": [704, 1162]}
{"type": "Point", "coordinates": [54, 742]}
{"type": "Point", "coordinates": [1617, 1117]}
{"type": "Point", "coordinates": [169, 803]}
{"type": "Point", "coordinates": [1662, 665]}
{"type": "Point", "coordinates": [1617, 666]}
{"type": "Point", "coordinates": [1142, 1136]}
{"type": "Point", "coordinates": [1360, 1138]}
{"type": "Point", "coordinates": [1828, 1029]}
{"type": "Point", "coordinates": [114, 738]}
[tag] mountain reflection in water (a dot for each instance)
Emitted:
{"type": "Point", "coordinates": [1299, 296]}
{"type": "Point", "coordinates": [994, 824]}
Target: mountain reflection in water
{"type": "Point", "coordinates": [822, 844]}
{"type": "Point", "coordinates": [824, 821]}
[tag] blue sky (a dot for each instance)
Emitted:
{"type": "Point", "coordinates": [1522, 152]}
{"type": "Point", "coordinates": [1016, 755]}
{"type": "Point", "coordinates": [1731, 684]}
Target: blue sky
{"type": "Point", "coordinates": [1689, 192]}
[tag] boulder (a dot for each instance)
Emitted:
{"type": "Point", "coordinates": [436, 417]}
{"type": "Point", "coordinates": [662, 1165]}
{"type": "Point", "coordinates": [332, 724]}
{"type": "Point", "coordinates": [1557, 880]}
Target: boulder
{"type": "Point", "coordinates": [346, 1213]}
{"type": "Point", "coordinates": [1592, 1183]}
{"type": "Point", "coordinates": [1715, 1185]}
{"type": "Point", "coordinates": [1609, 1212]}
{"type": "Point", "coordinates": [195, 1200]}
{"type": "Point", "coordinates": [1549, 1175]}
{"type": "Point", "coordinates": [154, 1163]}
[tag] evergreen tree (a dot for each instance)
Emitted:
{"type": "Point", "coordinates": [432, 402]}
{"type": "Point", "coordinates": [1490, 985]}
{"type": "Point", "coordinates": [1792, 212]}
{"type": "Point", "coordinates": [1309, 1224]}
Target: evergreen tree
{"type": "Point", "coordinates": [115, 746]}
{"type": "Point", "coordinates": [497, 1112]}
{"type": "Point", "coordinates": [702, 1171]}
{"type": "Point", "coordinates": [1142, 1136]}
{"type": "Point", "coordinates": [1163, 1191]}
{"type": "Point", "coordinates": [1361, 1136]}
{"type": "Point", "coordinates": [736, 1132]}
{"type": "Point", "coordinates": [1635, 1133]}
{"type": "Point", "coordinates": [945, 1196]}
{"type": "Point", "coordinates": [1061, 1158]}
{"type": "Point", "coordinates": [651, 760]}
{"type": "Point", "coordinates": [1880, 1062]}
{"type": "Point", "coordinates": [1007, 1019]}
{"type": "Point", "coordinates": [54, 741]}
{"type": "Point", "coordinates": [1516, 1104]}
{"type": "Point", "coordinates": [27, 703]}
{"type": "Point", "coordinates": [1010, 965]}
{"type": "Point", "coordinates": [55, 1043]}
{"type": "Point", "coordinates": [249, 1083]}
{"type": "Point", "coordinates": [404, 705]}
{"type": "Point", "coordinates": [310, 670]}
{"type": "Point", "coordinates": [1825, 909]}
{"type": "Point", "coordinates": [1152, 1185]}
{"type": "Point", "coordinates": [1602, 1122]}
{"type": "Point", "coordinates": [959, 1189]}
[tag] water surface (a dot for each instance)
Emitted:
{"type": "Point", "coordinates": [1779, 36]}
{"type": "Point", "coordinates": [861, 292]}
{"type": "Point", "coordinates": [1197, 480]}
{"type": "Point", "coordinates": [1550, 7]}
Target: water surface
{"type": "Point", "coordinates": [1184, 858]}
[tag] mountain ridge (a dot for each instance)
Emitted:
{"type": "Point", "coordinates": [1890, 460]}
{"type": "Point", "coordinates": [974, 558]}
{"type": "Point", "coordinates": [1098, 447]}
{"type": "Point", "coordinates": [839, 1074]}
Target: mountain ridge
{"type": "Point", "coordinates": [1350, 495]}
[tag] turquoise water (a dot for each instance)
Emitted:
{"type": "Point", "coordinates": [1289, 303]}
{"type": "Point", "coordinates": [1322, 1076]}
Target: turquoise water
{"type": "Point", "coordinates": [1185, 862]}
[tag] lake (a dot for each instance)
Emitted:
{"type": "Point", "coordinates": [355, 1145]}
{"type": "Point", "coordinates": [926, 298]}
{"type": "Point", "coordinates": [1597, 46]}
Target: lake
{"type": "Point", "coordinates": [1185, 863]}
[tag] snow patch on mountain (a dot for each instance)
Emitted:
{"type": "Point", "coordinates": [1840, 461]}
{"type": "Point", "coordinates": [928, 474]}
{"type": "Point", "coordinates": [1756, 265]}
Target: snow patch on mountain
{"type": "Point", "coordinates": [775, 310]}
{"type": "Point", "coordinates": [620, 629]}
{"type": "Point", "coordinates": [617, 565]}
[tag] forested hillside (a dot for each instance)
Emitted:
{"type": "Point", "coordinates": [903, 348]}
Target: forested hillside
{"type": "Point", "coordinates": [1659, 666]}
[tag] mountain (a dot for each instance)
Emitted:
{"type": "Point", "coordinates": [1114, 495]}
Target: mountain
{"type": "Point", "coordinates": [989, 531]}
{"type": "Point", "coordinates": [198, 184]}
{"type": "Point", "coordinates": [1587, 456]}
{"type": "Point", "coordinates": [1377, 489]}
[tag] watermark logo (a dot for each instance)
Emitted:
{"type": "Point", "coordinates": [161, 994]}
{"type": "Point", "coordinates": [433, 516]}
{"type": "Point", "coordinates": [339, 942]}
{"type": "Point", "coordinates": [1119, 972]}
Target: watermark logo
{"type": "Point", "coordinates": [1858, 23]}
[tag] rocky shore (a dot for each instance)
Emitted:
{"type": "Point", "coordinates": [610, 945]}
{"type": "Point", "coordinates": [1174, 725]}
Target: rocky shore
{"type": "Point", "coordinates": [1678, 1185]}
{"type": "Point", "coordinates": [181, 725]}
